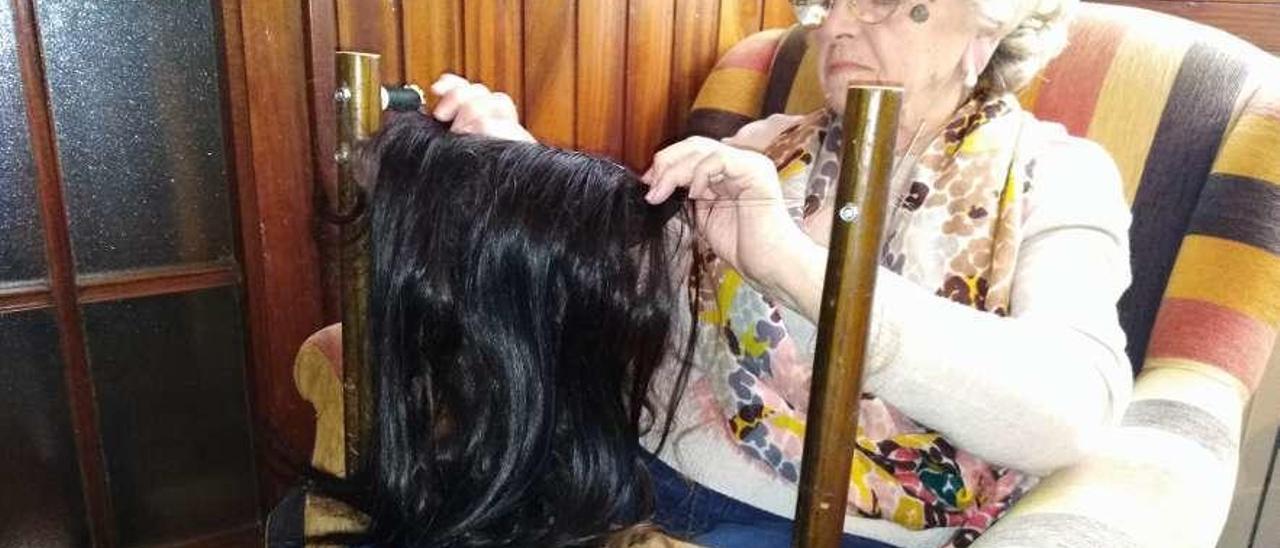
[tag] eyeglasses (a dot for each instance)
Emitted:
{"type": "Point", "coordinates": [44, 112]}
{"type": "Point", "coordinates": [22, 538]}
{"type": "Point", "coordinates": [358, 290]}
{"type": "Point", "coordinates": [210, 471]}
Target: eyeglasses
{"type": "Point", "coordinates": [811, 13]}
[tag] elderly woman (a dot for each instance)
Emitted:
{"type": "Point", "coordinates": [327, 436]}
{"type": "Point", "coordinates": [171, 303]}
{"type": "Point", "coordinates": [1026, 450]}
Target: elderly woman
{"type": "Point", "coordinates": [996, 354]}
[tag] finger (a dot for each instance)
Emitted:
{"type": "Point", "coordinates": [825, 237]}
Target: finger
{"type": "Point", "coordinates": [489, 109]}
{"type": "Point", "coordinates": [470, 114]}
{"type": "Point", "coordinates": [674, 155]}
{"type": "Point", "coordinates": [702, 185]}
{"type": "Point", "coordinates": [647, 178]}
{"type": "Point", "coordinates": [458, 99]}
{"type": "Point", "coordinates": [660, 188]}
{"type": "Point", "coordinates": [447, 106]}
{"type": "Point", "coordinates": [660, 191]}
{"type": "Point", "coordinates": [506, 106]}
{"type": "Point", "coordinates": [448, 82]}
{"type": "Point", "coordinates": [659, 163]}
{"type": "Point", "coordinates": [465, 127]}
{"type": "Point", "coordinates": [676, 175]}
{"type": "Point", "coordinates": [681, 149]}
{"type": "Point", "coordinates": [482, 105]}
{"type": "Point", "coordinates": [671, 153]}
{"type": "Point", "coordinates": [447, 109]}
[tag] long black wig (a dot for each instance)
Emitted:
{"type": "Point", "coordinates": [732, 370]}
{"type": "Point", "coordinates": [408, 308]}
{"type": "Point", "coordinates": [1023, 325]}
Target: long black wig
{"type": "Point", "coordinates": [522, 300]}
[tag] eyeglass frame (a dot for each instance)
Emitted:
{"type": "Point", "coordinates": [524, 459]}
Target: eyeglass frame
{"type": "Point", "coordinates": [804, 10]}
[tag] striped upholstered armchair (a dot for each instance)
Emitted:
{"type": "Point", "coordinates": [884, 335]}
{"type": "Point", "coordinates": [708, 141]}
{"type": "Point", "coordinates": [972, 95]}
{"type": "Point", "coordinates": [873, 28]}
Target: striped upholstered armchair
{"type": "Point", "coordinates": [1192, 117]}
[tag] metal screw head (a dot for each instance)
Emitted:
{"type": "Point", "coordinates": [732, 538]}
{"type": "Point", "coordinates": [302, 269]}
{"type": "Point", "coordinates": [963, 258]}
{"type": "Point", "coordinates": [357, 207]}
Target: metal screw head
{"type": "Point", "coordinates": [849, 213]}
{"type": "Point", "coordinates": [342, 95]}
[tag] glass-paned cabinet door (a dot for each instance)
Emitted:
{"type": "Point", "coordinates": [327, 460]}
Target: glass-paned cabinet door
{"type": "Point", "coordinates": [123, 353]}
{"type": "Point", "coordinates": [134, 91]}
{"type": "Point", "coordinates": [21, 245]}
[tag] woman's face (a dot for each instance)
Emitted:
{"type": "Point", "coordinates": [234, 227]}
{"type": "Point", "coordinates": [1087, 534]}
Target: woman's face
{"type": "Point", "coordinates": [919, 45]}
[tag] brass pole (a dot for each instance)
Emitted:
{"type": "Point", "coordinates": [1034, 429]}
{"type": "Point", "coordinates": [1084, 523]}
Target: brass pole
{"type": "Point", "coordinates": [359, 102]}
{"type": "Point", "coordinates": [870, 128]}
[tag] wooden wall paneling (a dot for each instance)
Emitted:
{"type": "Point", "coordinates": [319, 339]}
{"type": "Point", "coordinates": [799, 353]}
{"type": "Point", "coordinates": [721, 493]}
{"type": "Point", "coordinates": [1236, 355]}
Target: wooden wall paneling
{"type": "Point", "coordinates": [373, 26]}
{"type": "Point", "coordinates": [738, 19]}
{"type": "Point", "coordinates": [392, 66]}
{"type": "Point", "coordinates": [494, 45]}
{"type": "Point", "coordinates": [1256, 21]}
{"type": "Point", "coordinates": [359, 25]}
{"type": "Point", "coordinates": [601, 76]}
{"type": "Point", "coordinates": [695, 44]}
{"type": "Point", "coordinates": [433, 41]}
{"type": "Point", "coordinates": [62, 279]}
{"type": "Point", "coordinates": [322, 41]}
{"type": "Point", "coordinates": [778, 14]}
{"type": "Point", "coordinates": [550, 75]}
{"type": "Point", "coordinates": [277, 221]}
{"type": "Point", "coordinates": [649, 37]}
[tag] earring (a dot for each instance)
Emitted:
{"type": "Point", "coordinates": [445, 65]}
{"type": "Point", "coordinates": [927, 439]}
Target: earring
{"type": "Point", "coordinates": [919, 13]}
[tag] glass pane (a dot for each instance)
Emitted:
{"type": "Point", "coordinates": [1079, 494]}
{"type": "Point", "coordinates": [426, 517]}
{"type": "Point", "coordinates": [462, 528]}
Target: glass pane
{"type": "Point", "coordinates": [134, 89]}
{"type": "Point", "coordinates": [21, 251]}
{"type": "Point", "coordinates": [38, 454]}
{"type": "Point", "coordinates": [169, 373]}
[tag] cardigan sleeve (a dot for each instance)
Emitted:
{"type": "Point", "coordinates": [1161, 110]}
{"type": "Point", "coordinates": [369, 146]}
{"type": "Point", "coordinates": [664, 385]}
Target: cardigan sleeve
{"type": "Point", "coordinates": [1034, 390]}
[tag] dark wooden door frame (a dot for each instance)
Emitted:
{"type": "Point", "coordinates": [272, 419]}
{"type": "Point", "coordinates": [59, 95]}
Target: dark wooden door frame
{"type": "Point", "coordinates": [268, 106]}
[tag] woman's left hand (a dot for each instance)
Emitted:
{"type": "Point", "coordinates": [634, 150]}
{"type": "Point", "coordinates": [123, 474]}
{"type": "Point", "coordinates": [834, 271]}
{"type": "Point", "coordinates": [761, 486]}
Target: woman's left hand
{"type": "Point", "coordinates": [738, 198]}
{"type": "Point", "coordinates": [474, 108]}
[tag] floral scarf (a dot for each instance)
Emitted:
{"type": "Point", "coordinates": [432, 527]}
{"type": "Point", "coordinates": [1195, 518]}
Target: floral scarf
{"type": "Point", "coordinates": [955, 228]}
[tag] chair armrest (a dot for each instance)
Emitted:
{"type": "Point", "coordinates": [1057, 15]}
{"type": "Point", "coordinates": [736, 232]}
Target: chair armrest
{"type": "Point", "coordinates": [317, 374]}
{"type": "Point", "coordinates": [1164, 477]}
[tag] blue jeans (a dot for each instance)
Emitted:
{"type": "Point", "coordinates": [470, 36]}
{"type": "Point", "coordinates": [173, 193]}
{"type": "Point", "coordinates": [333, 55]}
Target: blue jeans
{"type": "Point", "coordinates": [689, 510]}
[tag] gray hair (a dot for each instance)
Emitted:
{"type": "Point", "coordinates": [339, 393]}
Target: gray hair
{"type": "Point", "coordinates": [1037, 32]}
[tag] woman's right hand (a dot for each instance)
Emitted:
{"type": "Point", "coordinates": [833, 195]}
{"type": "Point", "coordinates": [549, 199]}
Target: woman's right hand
{"type": "Point", "coordinates": [474, 109]}
{"type": "Point", "coordinates": [739, 204]}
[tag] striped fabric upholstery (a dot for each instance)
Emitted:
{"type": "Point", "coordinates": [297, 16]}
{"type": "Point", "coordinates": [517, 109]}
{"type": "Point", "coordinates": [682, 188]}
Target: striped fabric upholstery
{"type": "Point", "coordinates": [1192, 117]}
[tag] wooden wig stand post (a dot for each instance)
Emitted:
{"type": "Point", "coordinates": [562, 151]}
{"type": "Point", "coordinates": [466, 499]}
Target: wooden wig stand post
{"type": "Point", "coordinates": [870, 128]}
{"type": "Point", "coordinates": [361, 100]}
